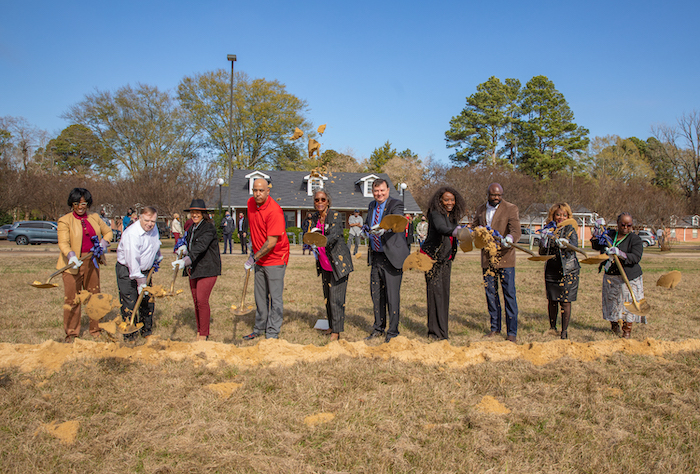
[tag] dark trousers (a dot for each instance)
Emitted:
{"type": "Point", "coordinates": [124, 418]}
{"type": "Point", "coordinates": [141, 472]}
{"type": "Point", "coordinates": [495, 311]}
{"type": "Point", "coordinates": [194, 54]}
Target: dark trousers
{"type": "Point", "coordinates": [437, 283]}
{"type": "Point", "coordinates": [128, 294]}
{"type": "Point", "coordinates": [385, 288]}
{"type": "Point", "coordinates": [228, 239]}
{"type": "Point", "coordinates": [244, 242]}
{"type": "Point", "coordinates": [334, 293]}
{"type": "Point", "coordinates": [507, 278]}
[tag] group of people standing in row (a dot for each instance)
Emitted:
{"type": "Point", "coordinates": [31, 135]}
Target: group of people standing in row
{"type": "Point", "coordinates": [198, 256]}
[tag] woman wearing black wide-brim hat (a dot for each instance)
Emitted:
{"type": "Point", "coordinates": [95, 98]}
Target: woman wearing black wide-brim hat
{"type": "Point", "coordinates": [202, 262]}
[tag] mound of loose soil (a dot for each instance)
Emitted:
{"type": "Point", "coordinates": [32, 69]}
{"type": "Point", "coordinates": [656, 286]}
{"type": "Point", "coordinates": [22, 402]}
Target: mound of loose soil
{"type": "Point", "coordinates": [51, 355]}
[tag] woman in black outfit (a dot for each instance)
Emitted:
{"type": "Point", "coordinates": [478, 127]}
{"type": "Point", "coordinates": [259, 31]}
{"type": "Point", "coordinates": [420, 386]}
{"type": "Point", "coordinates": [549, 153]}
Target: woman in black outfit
{"type": "Point", "coordinates": [445, 210]}
{"type": "Point", "coordinates": [561, 274]}
{"type": "Point", "coordinates": [202, 262]}
{"type": "Point", "coordinates": [333, 262]}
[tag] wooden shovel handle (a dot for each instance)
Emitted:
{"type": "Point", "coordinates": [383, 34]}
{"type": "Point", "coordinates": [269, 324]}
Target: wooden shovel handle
{"type": "Point", "coordinates": [576, 249]}
{"type": "Point", "coordinates": [627, 281]}
{"type": "Point", "coordinates": [523, 249]}
{"type": "Point", "coordinates": [88, 256]}
{"type": "Point", "coordinates": [245, 287]}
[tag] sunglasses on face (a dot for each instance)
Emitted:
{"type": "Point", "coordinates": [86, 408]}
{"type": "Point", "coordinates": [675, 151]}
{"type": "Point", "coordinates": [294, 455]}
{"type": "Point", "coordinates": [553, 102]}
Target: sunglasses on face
{"type": "Point", "coordinates": [319, 199]}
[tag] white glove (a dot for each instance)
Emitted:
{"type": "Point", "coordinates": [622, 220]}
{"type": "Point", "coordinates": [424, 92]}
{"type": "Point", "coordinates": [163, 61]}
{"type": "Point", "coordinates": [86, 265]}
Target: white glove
{"type": "Point", "coordinates": [75, 262]}
{"type": "Point", "coordinates": [616, 251]}
{"type": "Point", "coordinates": [600, 222]}
{"type": "Point", "coordinates": [159, 258]}
{"type": "Point", "coordinates": [562, 243]}
{"type": "Point", "coordinates": [181, 251]}
{"type": "Point", "coordinates": [141, 287]}
{"type": "Point", "coordinates": [376, 230]}
{"type": "Point", "coordinates": [506, 241]}
{"type": "Point", "coordinates": [249, 263]}
{"type": "Point", "coordinates": [456, 231]}
{"type": "Point", "coordinates": [315, 229]}
{"type": "Point", "coordinates": [179, 263]}
{"type": "Point", "coordinates": [104, 244]}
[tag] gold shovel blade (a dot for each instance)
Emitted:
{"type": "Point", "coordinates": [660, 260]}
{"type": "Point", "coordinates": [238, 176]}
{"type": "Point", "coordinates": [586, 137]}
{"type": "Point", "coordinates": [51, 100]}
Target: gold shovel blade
{"type": "Point", "coordinates": [466, 243]}
{"type": "Point", "coordinates": [596, 260]}
{"type": "Point", "coordinates": [642, 309]}
{"type": "Point", "coordinates": [314, 238]}
{"type": "Point", "coordinates": [394, 222]}
{"type": "Point", "coordinates": [38, 284]}
{"type": "Point", "coordinates": [243, 310]}
{"type": "Point", "coordinates": [540, 258]}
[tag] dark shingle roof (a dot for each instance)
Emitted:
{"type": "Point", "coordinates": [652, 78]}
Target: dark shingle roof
{"type": "Point", "coordinates": [289, 189]}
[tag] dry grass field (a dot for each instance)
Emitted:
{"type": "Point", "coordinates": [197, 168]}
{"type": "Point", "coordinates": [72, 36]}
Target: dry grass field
{"type": "Point", "coordinates": [632, 410]}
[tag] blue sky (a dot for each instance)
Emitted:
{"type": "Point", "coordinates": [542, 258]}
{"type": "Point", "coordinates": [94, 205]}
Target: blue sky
{"type": "Point", "coordinates": [372, 70]}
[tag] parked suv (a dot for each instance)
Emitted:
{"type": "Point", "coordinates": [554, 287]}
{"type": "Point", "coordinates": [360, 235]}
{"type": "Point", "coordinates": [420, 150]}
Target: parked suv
{"type": "Point", "coordinates": [33, 232]}
{"type": "Point", "coordinates": [3, 231]}
{"type": "Point", "coordinates": [647, 238]}
{"type": "Point", "coordinates": [526, 235]}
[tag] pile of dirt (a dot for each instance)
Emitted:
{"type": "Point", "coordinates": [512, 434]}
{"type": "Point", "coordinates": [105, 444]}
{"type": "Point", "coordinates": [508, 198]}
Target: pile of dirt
{"type": "Point", "coordinates": [51, 355]}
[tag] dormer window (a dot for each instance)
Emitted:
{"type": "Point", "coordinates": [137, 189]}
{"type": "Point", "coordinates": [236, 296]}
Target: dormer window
{"type": "Point", "coordinates": [253, 176]}
{"type": "Point", "coordinates": [366, 184]}
{"type": "Point", "coordinates": [696, 221]}
{"type": "Point", "coordinates": [314, 182]}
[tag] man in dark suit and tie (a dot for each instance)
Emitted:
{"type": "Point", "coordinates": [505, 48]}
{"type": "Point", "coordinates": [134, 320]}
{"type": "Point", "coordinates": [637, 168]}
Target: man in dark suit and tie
{"type": "Point", "coordinates": [242, 227]}
{"type": "Point", "coordinates": [387, 251]}
{"type": "Point", "coordinates": [502, 216]}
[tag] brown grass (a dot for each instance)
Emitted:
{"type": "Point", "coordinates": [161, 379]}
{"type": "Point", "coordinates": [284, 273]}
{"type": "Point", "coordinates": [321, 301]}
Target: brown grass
{"type": "Point", "coordinates": [624, 413]}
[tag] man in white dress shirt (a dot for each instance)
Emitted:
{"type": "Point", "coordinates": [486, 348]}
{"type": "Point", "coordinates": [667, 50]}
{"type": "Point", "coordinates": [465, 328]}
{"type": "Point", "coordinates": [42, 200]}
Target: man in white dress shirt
{"type": "Point", "coordinates": [138, 251]}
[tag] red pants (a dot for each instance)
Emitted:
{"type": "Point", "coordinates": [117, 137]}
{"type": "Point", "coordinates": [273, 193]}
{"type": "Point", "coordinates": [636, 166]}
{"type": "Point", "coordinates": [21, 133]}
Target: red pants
{"type": "Point", "coordinates": [201, 289]}
{"type": "Point", "coordinates": [88, 278]}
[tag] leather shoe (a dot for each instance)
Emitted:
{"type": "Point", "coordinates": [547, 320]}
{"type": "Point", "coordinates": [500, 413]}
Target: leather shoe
{"type": "Point", "coordinates": [511, 339]}
{"type": "Point", "coordinates": [374, 335]}
{"type": "Point", "coordinates": [493, 333]}
{"type": "Point", "coordinates": [251, 336]}
{"type": "Point", "coordinates": [389, 338]}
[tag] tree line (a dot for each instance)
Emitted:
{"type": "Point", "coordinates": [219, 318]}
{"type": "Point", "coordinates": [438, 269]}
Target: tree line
{"type": "Point", "coordinates": [141, 144]}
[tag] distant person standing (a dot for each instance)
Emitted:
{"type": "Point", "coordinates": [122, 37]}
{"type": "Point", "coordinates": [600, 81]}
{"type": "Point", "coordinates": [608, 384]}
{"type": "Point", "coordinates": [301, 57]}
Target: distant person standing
{"type": "Point", "coordinates": [138, 252]}
{"type": "Point", "coordinates": [355, 223]}
{"type": "Point", "coordinates": [304, 230]}
{"type": "Point", "coordinates": [227, 225]}
{"type": "Point", "coordinates": [422, 230]}
{"type": "Point", "coordinates": [502, 216]}
{"type": "Point", "coordinates": [410, 230]}
{"type": "Point", "coordinates": [242, 226]}
{"type": "Point", "coordinates": [126, 222]}
{"type": "Point", "coordinates": [659, 236]}
{"type": "Point", "coordinates": [387, 252]}
{"type": "Point", "coordinates": [268, 237]}
{"type": "Point", "coordinates": [106, 220]}
{"type": "Point", "coordinates": [176, 227]}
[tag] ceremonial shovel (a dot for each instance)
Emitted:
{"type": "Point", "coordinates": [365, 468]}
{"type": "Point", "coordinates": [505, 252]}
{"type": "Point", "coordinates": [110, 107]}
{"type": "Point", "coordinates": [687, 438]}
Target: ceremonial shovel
{"type": "Point", "coordinates": [534, 257]}
{"type": "Point", "coordinates": [48, 284]}
{"type": "Point", "coordinates": [315, 238]}
{"type": "Point", "coordinates": [123, 328]}
{"type": "Point", "coordinates": [640, 307]}
{"type": "Point", "coordinates": [241, 310]}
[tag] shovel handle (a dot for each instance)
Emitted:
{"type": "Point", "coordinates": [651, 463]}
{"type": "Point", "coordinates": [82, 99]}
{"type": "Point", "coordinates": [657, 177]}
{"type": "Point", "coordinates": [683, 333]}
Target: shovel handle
{"type": "Point", "coordinates": [88, 256]}
{"type": "Point", "coordinates": [172, 284]}
{"type": "Point", "coordinates": [245, 287]}
{"type": "Point", "coordinates": [627, 281]}
{"type": "Point", "coordinates": [140, 298]}
{"type": "Point", "coordinates": [523, 249]}
{"type": "Point", "coordinates": [576, 249]}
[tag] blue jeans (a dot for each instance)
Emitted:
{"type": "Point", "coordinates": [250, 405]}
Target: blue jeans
{"type": "Point", "coordinates": [507, 279]}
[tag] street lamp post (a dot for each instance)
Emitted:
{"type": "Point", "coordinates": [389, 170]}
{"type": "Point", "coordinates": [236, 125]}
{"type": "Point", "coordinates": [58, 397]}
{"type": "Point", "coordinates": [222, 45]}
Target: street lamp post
{"type": "Point", "coordinates": [220, 182]}
{"type": "Point", "coordinates": [403, 187]}
{"type": "Point", "coordinates": [232, 58]}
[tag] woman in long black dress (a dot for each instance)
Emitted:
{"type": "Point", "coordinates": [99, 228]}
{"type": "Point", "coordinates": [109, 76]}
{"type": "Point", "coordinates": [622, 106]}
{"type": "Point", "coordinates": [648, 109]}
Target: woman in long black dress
{"type": "Point", "coordinates": [333, 262]}
{"type": "Point", "coordinates": [561, 274]}
{"type": "Point", "coordinates": [445, 210]}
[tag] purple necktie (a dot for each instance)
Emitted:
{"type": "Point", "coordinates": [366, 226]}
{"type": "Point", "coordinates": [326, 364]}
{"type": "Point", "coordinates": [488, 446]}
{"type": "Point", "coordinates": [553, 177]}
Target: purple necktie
{"type": "Point", "coordinates": [375, 221]}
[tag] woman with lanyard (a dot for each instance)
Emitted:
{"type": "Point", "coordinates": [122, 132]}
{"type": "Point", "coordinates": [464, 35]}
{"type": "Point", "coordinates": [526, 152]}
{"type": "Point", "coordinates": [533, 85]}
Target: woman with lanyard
{"type": "Point", "coordinates": [445, 209]}
{"type": "Point", "coordinates": [333, 262]}
{"type": "Point", "coordinates": [80, 233]}
{"type": "Point", "coordinates": [202, 262]}
{"type": "Point", "coordinates": [561, 274]}
{"type": "Point", "coordinates": [628, 247]}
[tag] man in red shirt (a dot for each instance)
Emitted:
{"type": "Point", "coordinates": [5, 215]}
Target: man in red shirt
{"type": "Point", "coordinates": [268, 238]}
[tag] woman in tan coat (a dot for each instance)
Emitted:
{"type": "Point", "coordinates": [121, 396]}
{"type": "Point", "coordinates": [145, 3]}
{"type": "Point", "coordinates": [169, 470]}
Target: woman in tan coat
{"type": "Point", "coordinates": [75, 240]}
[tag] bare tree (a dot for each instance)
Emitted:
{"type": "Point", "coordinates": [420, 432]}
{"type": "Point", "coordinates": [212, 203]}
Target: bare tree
{"type": "Point", "coordinates": [680, 145]}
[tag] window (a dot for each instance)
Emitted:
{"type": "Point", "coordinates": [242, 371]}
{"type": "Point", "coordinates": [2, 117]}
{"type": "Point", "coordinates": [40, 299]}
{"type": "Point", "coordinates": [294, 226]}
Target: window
{"type": "Point", "coordinates": [696, 221]}
{"type": "Point", "coordinates": [290, 219]}
{"type": "Point", "coordinates": [695, 233]}
{"type": "Point", "coordinates": [315, 184]}
{"type": "Point", "coordinates": [252, 177]}
{"type": "Point", "coordinates": [366, 184]}
{"type": "Point", "coordinates": [368, 187]}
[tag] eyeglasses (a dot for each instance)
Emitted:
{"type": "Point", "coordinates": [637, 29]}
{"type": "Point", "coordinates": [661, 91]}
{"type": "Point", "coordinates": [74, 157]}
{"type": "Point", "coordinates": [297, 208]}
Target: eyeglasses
{"type": "Point", "coordinates": [319, 199]}
{"type": "Point", "coordinates": [80, 204]}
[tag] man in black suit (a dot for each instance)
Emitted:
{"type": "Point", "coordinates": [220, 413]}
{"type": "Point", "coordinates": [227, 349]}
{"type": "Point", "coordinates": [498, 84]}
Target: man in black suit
{"type": "Point", "coordinates": [242, 227]}
{"type": "Point", "coordinates": [387, 251]}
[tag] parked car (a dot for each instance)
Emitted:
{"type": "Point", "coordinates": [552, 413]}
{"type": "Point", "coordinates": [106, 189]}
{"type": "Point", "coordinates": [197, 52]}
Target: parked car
{"type": "Point", "coordinates": [3, 231]}
{"type": "Point", "coordinates": [526, 235]}
{"type": "Point", "coordinates": [647, 238]}
{"type": "Point", "coordinates": [33, 232]}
